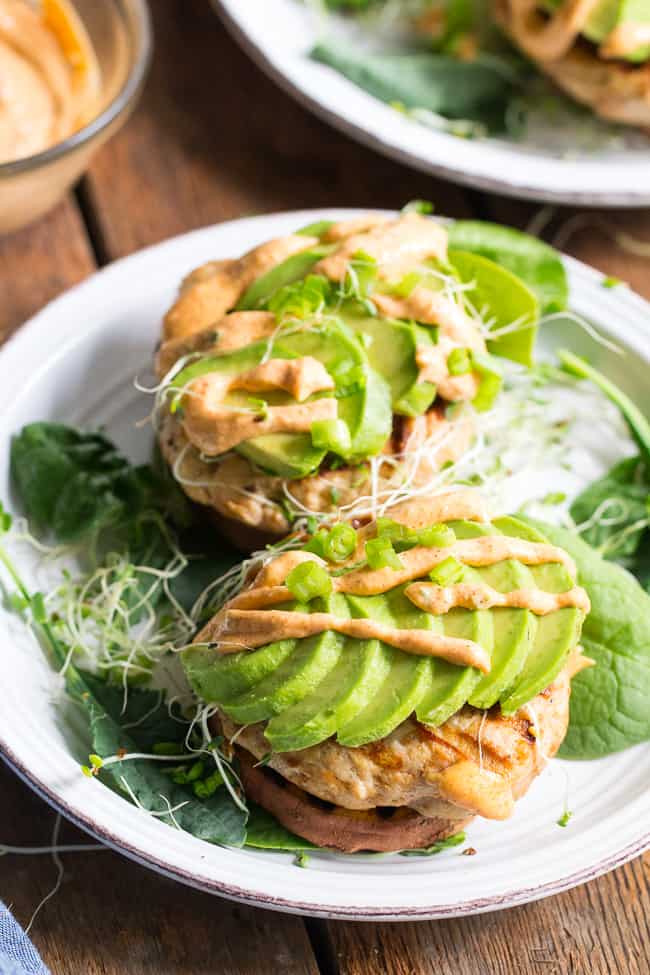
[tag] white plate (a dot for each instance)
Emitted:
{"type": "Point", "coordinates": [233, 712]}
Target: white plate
{"type": "Point", "coordinates": [278, 35]}
{"type": "Point", "coordinates": [75, 362]}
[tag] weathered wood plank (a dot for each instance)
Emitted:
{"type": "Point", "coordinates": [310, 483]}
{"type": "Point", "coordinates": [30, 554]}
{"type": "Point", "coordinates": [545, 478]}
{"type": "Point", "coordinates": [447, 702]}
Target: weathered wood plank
{"type": "Point", "coordinates": [38, 263]}
{"type": "Point", "coordinates": [601, 928]}
{"type": "Point", "coordinates": [111, 916]}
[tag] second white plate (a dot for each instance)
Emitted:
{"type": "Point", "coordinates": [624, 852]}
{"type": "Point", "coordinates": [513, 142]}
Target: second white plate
{"type": "Point", "coordinates": [278, 35]}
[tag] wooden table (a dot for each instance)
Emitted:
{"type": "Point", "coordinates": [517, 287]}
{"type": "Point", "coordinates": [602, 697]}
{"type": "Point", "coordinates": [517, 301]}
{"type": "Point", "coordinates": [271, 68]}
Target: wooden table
{"type": "Point", "coordinates": [214, 139]}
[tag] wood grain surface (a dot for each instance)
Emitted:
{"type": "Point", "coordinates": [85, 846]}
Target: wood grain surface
{"type": "Point", "coordinates": [214, 139]}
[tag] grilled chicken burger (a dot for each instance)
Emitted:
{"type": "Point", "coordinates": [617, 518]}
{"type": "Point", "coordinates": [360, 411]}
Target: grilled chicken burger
{"type": "Point", "coordinates": [320, 365]}
{"type": "Point", "coordinates": [383, 686]}
{"type": "Point", "coordinates": [598, 51]}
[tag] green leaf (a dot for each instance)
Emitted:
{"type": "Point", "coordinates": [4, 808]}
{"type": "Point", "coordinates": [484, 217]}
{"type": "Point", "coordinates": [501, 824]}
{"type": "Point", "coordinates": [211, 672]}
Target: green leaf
{"type": "Point", "coordinates": [135, 726]}
{"type": "Point", "coordinates": [626, 491]}
{"type": "Point", "coordinates": [265, 833]}
{"type": "Point", "coordinates": [503, 299]}
{"type": "Point", "coordinates": [70, 483]}
{"type": "Point", "coordinates": [456, 840]}
{"type": "Point", "coordinates": [609, 702]}
{"type": "Point", "coordinates": [477, 90]}
{"type": "Point", "coordinates": [535, 263]}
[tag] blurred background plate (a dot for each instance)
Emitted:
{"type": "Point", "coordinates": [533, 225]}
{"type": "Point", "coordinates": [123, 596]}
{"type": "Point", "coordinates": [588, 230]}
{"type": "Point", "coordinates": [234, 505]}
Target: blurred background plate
{"type": "Point", "coordinates": [547, 166]}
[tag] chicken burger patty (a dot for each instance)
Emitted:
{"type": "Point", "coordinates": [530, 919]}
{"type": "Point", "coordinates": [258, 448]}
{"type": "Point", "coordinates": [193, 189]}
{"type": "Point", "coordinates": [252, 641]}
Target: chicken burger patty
{"type": "Point", "coordinates": [431, 676]}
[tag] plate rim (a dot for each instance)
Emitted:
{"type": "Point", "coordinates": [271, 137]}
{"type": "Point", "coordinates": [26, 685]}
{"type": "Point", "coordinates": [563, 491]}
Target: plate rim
{"type": "Point", "coordinates": [627, 199]}
{"type": "Point", "coordinates": [248, 894]}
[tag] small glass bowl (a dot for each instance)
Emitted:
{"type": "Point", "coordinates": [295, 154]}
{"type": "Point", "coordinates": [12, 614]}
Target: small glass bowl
{"type": "Point", "coordinates": [120, 31]}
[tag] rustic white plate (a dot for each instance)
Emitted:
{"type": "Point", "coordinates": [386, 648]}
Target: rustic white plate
{"type": "Point", "coordinates": [75, 362]}
{"type": "Point", "coordinates": [558, 163]}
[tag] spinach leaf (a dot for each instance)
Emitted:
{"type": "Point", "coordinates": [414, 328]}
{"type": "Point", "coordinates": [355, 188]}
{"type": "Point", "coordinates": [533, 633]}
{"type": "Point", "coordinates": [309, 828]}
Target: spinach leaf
{"type": "Point", "coordinates": [73, 485]}
{"type": "Point", "coordinates": [266, 833]}
{"type": "Point", "coordinates": [623, 497]}
{"type": "Point", "coordinates": [506, 299]}
{"type": "Point", "coordinates": [70, 483]}
{"type": "Point", "coordinates": [609, 702]}
{"type": "Point", "coordinates": [477, 90]}
{"type": "Point", "coordinates": [136, 725]}
{"type": "Point", "coordinates": [537, 264]}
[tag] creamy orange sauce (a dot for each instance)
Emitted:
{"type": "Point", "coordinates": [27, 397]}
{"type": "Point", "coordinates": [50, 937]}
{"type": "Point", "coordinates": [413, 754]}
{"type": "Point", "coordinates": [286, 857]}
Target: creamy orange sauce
{"type": "Point", "coordinates": [255, 628]}
{"type": "Point", "coordinates": [214, 427]}
{"type": "Point", "coordinates": [431, 360]}
{"type": "Point", "coordinates": [395, 244]}
{"type": "Point", "coordinates": [358, 225]}
{"type": "Point", "coordinates": [433, 308]}
{"type": "Point", "coordinates": [247, 621]}
{"type": "Point", "coordinates": [484, 792]}
{"type": "Point", "coordinates": [49, 76]}
{"type": "Point", "coordinates": [232, 332]}
{"type": "Point", "coordinates": [483, 551]}
{"type": "Point", "coordinates": [440, 599]}
{"type": "Point", "coordinates": [213, 289]}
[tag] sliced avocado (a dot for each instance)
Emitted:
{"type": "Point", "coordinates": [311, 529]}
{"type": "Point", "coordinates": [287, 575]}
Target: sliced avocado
{"type": "Point", "coordinates": [451, 686]}
{"type": "Point", "coordinates": [230, 364]}
{"type": "Point", "coordinates": [408, 677]}
{"type": "Point", "coordinates": [347, 689]}
{"type": "Point", "coordinates": [296, 676]}
{"type": "Point", "coordinates": [557, 633]}
{"type": "Point", "coordinates": [290, 455]}
{"type": "Point", "coordinates": [363, 397]}
{"type": "Point", "coordinates": [288, 272]}
{"type": "Point", "coordinates": [506, 300]}
{"type": "Point", "coordinates": [407, 681]}
{"type": "Point", "coordinates": [391, 346]}
{"type": "Point", "coordinates": [215, 678]}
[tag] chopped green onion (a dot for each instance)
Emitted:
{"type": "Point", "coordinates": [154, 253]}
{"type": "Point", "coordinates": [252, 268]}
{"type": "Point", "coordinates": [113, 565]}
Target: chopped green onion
{"type": "Point", "coordinates": [335, 545]}
{"type": "Point", "coordinates": [418, 206]}
{"type": "Point", "coordinates": [437, 536]}
{"type": "Point", "coordinates": [340, 543]}
{"type": "Point", "coordinates": [332, 435]}
{"type": "Point", "coordinates": [459, 362]}
{"type": "Point", "coordinates": [397, 533]}
{"type": "Point", "coordinates": [408, 284]}
{"type": "Point", "coordinates": [184, 775]}
{"type": "Point", "coordinates": [207, 787]}
{"type": "Point", "coordinates": [565, 818]}
{"type": "Point", "coordinates": [316, 543]}
{"type": "Point", "coordinates": [308, 581]}
{"type": "Point", "coordinates": [381, 554]}
{"type": "Point", "coordinates": [301, 300]}
{"type": "Point", "coordinates": [611, 282]}
{"type": "Point", "coordinates": [491, 381]}
{"type": "Point", "coordinates": [448, 572]}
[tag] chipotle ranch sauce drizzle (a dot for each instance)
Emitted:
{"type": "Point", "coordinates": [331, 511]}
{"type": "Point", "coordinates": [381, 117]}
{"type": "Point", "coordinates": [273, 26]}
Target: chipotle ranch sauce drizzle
{"type": "Point", "coordinates": [194, 327]}
{"type": "Point", "coordinates": [49, 77]}
{"type": "Point", "coordinates": [247, 622]}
